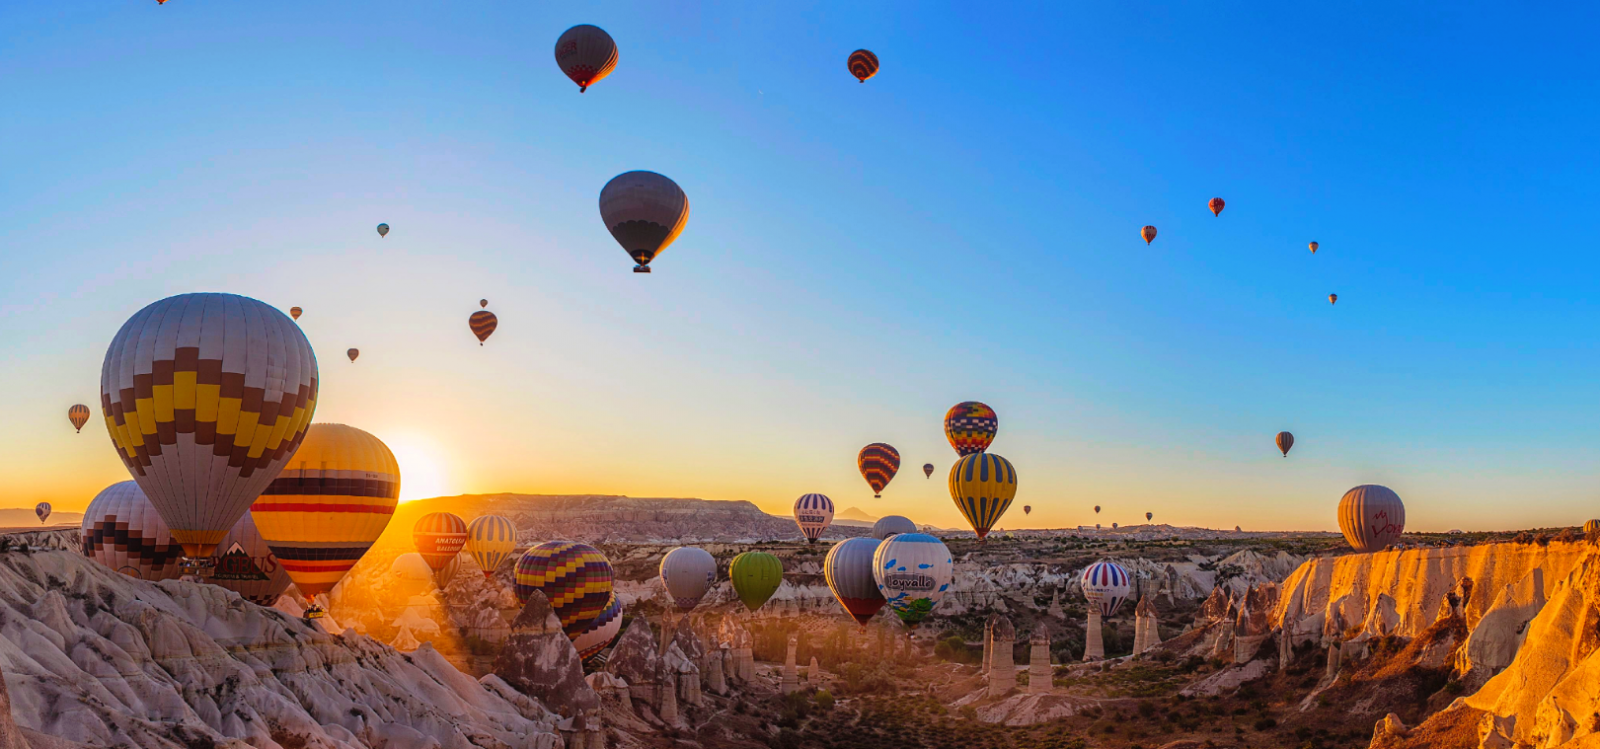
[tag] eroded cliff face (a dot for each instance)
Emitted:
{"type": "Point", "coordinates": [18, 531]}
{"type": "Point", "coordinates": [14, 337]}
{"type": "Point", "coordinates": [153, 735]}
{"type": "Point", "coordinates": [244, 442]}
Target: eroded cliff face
{"type": "Point", "coordinates": [96, 657]}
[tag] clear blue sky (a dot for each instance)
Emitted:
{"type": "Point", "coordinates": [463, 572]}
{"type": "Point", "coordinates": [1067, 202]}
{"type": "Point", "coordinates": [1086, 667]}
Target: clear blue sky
{"type": "Point", "coordinates": [859, 257]}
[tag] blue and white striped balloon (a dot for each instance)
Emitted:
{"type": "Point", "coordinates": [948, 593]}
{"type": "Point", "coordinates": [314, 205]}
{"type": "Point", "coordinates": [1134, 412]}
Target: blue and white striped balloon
{"type": "Point", "coordinates": [813, 513]}
{"type": "Point", "coordinates": [1106, 585]}
{"type": "Point", "coordinates": [913, 571]}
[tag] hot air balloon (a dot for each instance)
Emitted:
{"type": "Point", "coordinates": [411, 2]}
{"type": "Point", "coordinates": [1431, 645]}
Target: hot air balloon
{"type": "Point", "coordinates": [878, 463]}
{"type": "Point", "coordinates": [490, 541]}
{"type": "Point", "coordinates": [439, 537]}
{"type": "Point", "coordinates": [443, 575]}
{"type": "Point", "coordinates": [1027, 509]}
{"type": "Point", "coordinates": [1149, 516]}
{"type": "Point", "coordinates": [295, 312]}
{"type": "Point", "coordinates": [1216, 205]}
{"type": "Point", "coordinates": [575, 578]}
{"type": "Point", "coordinates": [383, 230]}
{"type": "Point", "coordinates": [1333, 299]}
{"type": "Point", "coordinates": [1106, 585]}
{"type": "Point", "coordinates": [353, 353]}
{"type": "Point", "coordinates": [644, 212]}
{"type": "Point", "coordinates": [913, 571]}
{"type": "Point", "coordinates": [483, 324]}
{"type": "Point", "coordinates": [601, 630]}
{"type": "Point", "coordinates": [78, 415]}
{"type": "Point", "coordinates": [970, 426]}
{"type": "Point", "coordinates": [689, 572]}
{"type": "Point", "coordinates": [983, 485]}
{"type": "Point", "coordinates": [1314, 247]}
{"type": "Point", "coordinates": [848, 570]}
{"type": "Point", "coordinates": [1372, 517]}
{"type": "Point", "coordinates": [1285, 441]}
{"type": "Point", "coordinates": [206, 396]}
{"type": "Point", "coordinates": [927, 470]}
{"type": "Point", "coordinates": [892, 525]}
{"type": "Point", "coordinates": [586, 54]}
{"type": "Point", "coordinates": [483, 303]}
{"type": "Point", "coordinates": [756, 575]}
{"type": "Point", "coordinates": [1113, 526]}
{"type": "Point", "coordinates": [244, 563]}
{"type": "Point", "coordinates": [1097, 509]}
{"type": "Point", "coordinates": [42, 510]}
{"type": "Point", "coordinates": [1149, 234]}
{"type": "Point", "coordinates": [813, 513]}
{"type": "Point", "coordinates": [123, 531]}
{"type": "Point", "coordinates": [333, 500]}
{"type": "Point", "coordinates": [863, 64]}
{"type": "Point", "coordinates": [1591, 527]}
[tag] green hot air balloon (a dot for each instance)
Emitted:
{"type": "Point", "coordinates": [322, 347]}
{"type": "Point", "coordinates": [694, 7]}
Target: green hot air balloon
{"type": "Point", "coordinates": [756, 576]}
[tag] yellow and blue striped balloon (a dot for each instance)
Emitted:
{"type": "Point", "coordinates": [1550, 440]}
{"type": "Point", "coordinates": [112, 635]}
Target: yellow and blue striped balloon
{"type": "Point", "coordinates": [983, 485]}
{"type": "Point", "coordinates": [490, 541]}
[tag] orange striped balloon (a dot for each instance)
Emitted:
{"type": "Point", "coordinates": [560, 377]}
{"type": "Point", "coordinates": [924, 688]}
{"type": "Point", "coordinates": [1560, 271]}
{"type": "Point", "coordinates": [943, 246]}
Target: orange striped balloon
{"type": "Point", "coordinates": [863, 64]}
{"type": "Point", "coordinates": [439, 537]}
{"type": "Point", "coordinates": [78, 415]}
{"type": "Point", "coordinates": [483, 324]}
{"type": "Point", "coordinates": [1149, 234]}
{"type": "Point", "coordinates": [295, 312]}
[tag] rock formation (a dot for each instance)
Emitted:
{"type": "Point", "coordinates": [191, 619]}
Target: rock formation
{"type": "Point", "coordinates": [1254, 623]}
{"type": "Point", "coordinates": [686, 673]}
{"type": "Point", "coordinates": [635, 661]}
{"type": "Point", "coordinates": [1094, 648]}
{"type": "Point", "coordinates": [791, 672]}
{"type": "Point", "coordinates": [102, 659]}
{"type": "Point", "coordinates": [813, 673]}
{"type": "Point", "coordinates": [715, 678]}
{"type": "Point", "coordinates": [1002, 668]}
{"type": "Point", "coordinates": [988, 642]}
{"type": "Point", "coordinates": [1146, 629]}
{"type": "Point", "coordinates": [1041, 677]}
{"type": "Point", "coordinates": [538, 659]}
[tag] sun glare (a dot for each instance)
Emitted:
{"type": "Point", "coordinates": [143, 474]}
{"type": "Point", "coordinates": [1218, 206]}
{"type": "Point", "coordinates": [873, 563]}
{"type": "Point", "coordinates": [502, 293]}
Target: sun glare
{"type": "Point", "coordinates": [422, 475]}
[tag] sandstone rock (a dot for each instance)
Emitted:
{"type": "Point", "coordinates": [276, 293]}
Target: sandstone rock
{"type": "Point", "coordinates": [1094, 647]}
{"type": "Point", "coordinates": [1041, 677]}
{"type": "Point", "coordinates": [1002, 668]}
{"type": "Point", "coordinates": [538, 659]}
{"type": "Point", "coordinates": [791, 672]}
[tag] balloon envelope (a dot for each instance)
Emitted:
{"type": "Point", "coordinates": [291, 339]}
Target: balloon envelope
{"type": "Point", "coordinates": [878, 463]}
{"type": "Point", "coordinates": [1106, 585]}
{"type": "Point", "coordinates": [689, 572]}
{"type": "Point", "coordinates": [848, 570]}
{"type": "Point", "coordinates": [1027, 509]}
{"type": "Point", "coordinates": [123, 531]}
{"type": "Point", "coordinates": [813, 513]}
{"type": "Point", "coordinates": [490, 541]}
{"type": "Point", "coordinates": [970, 427]}
{"type": "Point", "coordinates": [383, 230]}
{"type": "Point", "coordinates": [600, 630]}
{"type": "Point", "coordinates": [244, 563]}
{"type": "Point", "coordinates": [983, 486]}
{"type": "Point", "coordinates": [863, 64]}
{"type": "Point", "coordinates": [586, 54]}
{"type": "Point", "coordinates": [1216, 205]}
{"type": "Point", "coordinates": [78, 415]}
{"type": "Point", "coordinates": [1333, 299]}
{"type": "Point", "coordinates": [483, 324]}
{"type": "Point", "coordinates": [927, 470]}
{"type": "Point", "coordinates": [756, 575]}
{"type": "Point", "coordinates": [42, 510]}
{"type": "Point", "coordinates": [439, 537]}
{"type": "Point", "coordinates": [295, 312]}
{"type": "Point", "coordinates": [1313, 247]}
{"type": "Point", "coordinates": [644, 212]}
{"type": "Point", "coordinates": [1149, 234]}
{"type": "Point", "coordinates": [206, 396]}
{"type": "Point", "coordinates": [912, 572]}
{"type": "Point", "coordinates": [1149, 516]}
{"type": "Point", "coordinates": [575, 578]}
{"type": "Point", "coordinates": [1372, 517]}
{"type": "Point", "coordinates": [1285, 441]}
{"type": "Point", "coordinates": [891, 525]}
{"type": "Point", "coordinates": [353, 353]}
{"type": "Point", "coordinates": [1591, 527]}
{"type": "Point", "coordinates": [333, 500]}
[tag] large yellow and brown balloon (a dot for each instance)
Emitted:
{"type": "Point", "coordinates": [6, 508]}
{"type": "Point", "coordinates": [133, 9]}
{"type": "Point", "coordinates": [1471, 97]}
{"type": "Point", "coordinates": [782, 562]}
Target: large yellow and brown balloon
{"type": "Point", "coordinates": [205, 397]}
{"type": "Point", "coordinates": [586, 54]}
{"type": "Point", "coordinates": [330, 504]}
{"type": "Point", "coordinates": [644, 212]}
{"type": "Point", "coordinates": [983, 486]}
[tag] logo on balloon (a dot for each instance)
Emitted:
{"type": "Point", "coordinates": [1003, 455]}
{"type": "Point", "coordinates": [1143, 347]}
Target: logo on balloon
{"type": "Point", "coordinates": [912, 581]}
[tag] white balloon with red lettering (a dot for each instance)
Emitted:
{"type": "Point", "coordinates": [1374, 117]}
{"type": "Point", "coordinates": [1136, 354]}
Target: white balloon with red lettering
{"type": "Point", "coordinates": [1372, 517]}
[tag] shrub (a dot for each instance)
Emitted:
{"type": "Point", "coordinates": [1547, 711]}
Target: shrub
{"type": "Point", "coordinates": [824, 700]}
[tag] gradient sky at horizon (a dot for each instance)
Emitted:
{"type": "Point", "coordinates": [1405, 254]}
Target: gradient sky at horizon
{"type": "Point", "coordinates": [858, 257]}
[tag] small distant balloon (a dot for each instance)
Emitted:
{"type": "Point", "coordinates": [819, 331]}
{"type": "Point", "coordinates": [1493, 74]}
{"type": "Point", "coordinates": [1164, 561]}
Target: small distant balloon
{"type": "Point", "coordinates": [1216, 205]}
{"type": "Point", "coordinates": [42, 510]}
{"type": "Point", "coordinates": [353, 353]}
{"type": "Point", "coordinates": [78, 415]}
{"type": "Point", "coordinates": [586, 54]}
{"type": "Point", "coordinates": [813, 512]}
{"type": "Point", "coordinates": [483, 303]}
{"type": "Point", "coordinates": [1113, 526]}
{"type": "Point", "coordinates": [383, 230]}
{"type": "Point", "coordinates": [1097, 509]}
{"type": "Point", "coordinates": [863, 64]}
{"type": "Point", "coordinates": [295, 312]}
{"type": "Point", "coordinates": [927, 470]}
{"type": "Point", "coordinates": [483, 324]}
{"type": "Point", "coordinates": [878, 463]}
{"type": "Point", "coordinates": [1285, 441]}
{"type": "Point", "coordinates": [1149, 516]}
{"type": "Point", "coordinates": [892, 525]}
{"type": "Point", "coordinates": [1149, 234]}
{"type": "Point", "coordinates": [1333, 299]}
{"type": "Point", "coordinates": [1027, 509]}
{"type": "Point", "coordinates": [1314, 247]}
